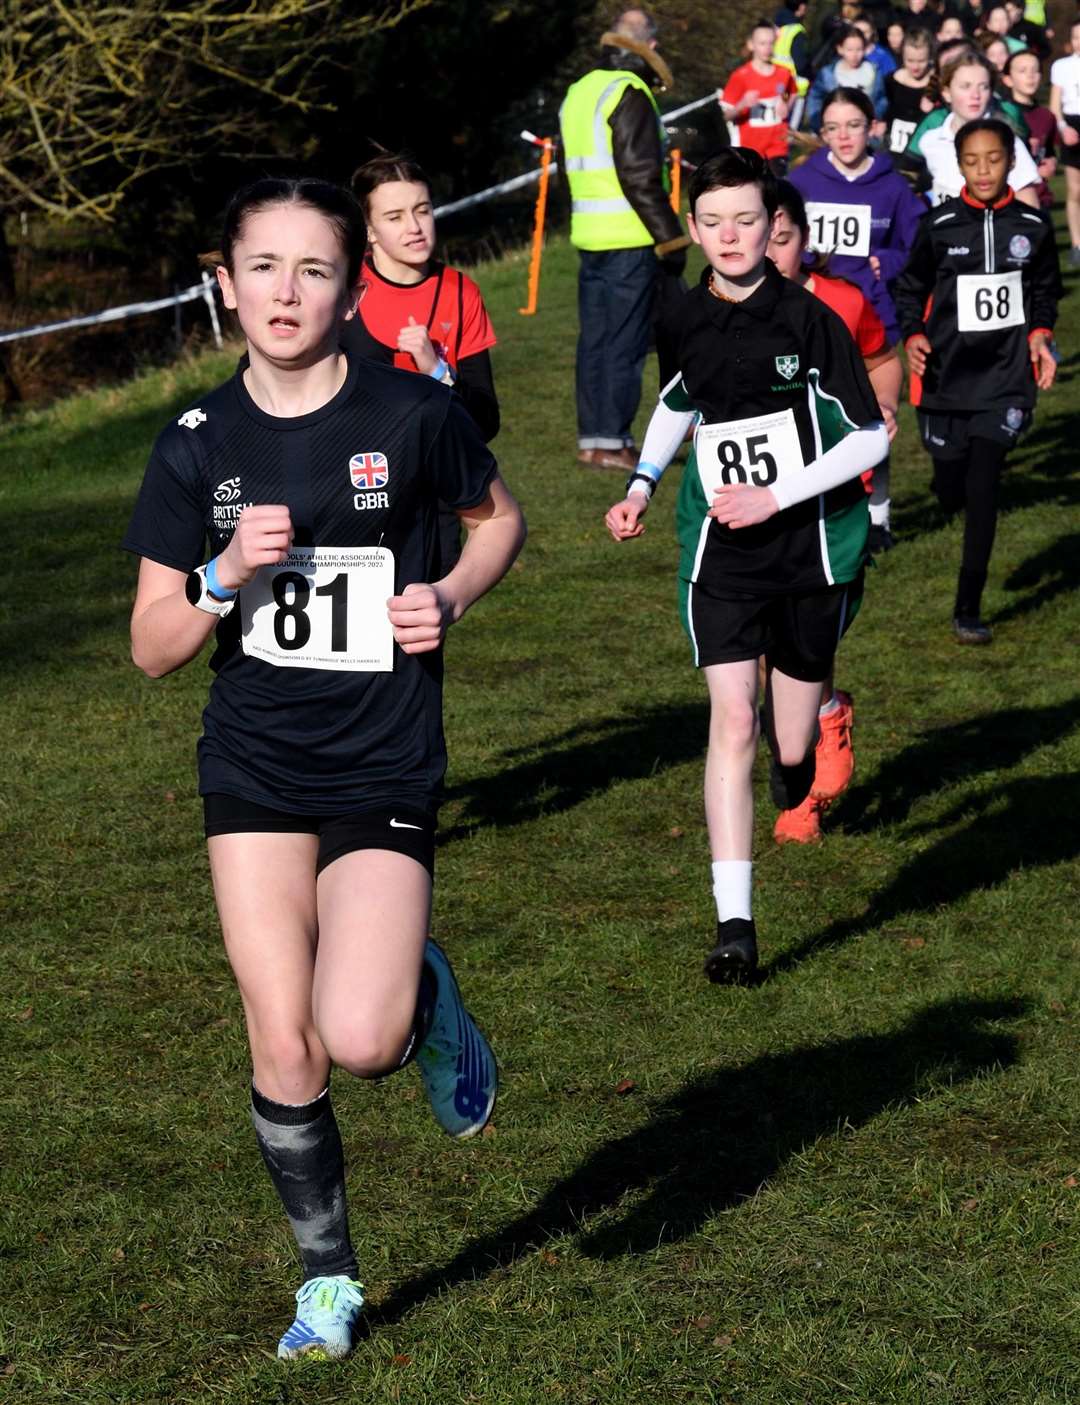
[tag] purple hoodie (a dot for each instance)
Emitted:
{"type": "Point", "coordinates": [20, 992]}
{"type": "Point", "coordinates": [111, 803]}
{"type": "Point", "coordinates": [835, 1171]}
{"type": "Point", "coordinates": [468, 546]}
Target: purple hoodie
{"type": "Point", "coordinates": [895, 211]}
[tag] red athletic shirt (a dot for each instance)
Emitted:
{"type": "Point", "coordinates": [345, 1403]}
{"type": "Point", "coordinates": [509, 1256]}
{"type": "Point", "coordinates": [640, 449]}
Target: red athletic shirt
{"type": "Point", "coordinates": [855, 311]}
{"type": "Point", "coordinates": [446, 302]}
{"type": "Point", "coordinates": [859, 317]}
{"type": "Point", "coordinates": [758, 127]}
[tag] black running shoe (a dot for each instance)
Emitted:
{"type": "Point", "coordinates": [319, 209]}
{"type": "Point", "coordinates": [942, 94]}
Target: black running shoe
{"type": "Point", "coordinates": [969, 629]}
{"type": "Point", "coordinates": [733, 961]}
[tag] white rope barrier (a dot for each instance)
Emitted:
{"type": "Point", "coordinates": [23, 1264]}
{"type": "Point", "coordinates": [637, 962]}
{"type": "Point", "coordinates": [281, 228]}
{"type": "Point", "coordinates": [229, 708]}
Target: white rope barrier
{"type": "Point", "coordinates": [205, 289]}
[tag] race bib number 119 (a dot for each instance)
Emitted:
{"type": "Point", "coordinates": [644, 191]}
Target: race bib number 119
{"type": "Point", "coordinates": [323, 607]}
{"type": "Point", "coordinates": [839, 229]}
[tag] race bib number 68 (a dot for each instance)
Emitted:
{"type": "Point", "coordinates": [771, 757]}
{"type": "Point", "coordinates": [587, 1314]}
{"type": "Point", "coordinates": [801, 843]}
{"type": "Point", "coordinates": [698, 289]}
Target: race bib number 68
{"type": "Point", "coordinates": [322, 607]}
{"type": "Point", "coordinates": [987, 302]}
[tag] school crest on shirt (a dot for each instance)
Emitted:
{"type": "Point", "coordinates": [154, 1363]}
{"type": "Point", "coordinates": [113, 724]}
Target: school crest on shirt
{"type": "Point", "coordinates": [787, 366]}
{"type": "Point", "coordinates": [1019, 247]}
{"type": "Point", "coordinates": [369, 470]}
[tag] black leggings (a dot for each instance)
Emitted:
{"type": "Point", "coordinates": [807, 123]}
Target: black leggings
{"type": "Point", "coordinates": [970, 485]}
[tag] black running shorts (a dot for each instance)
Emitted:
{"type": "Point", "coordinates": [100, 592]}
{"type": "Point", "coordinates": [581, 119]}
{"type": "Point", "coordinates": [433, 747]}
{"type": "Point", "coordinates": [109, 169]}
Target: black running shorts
{"type": "Point", "coordinates": [1070, 155]}
{"type": "Point", "coordinates": [798, 634]}
{"type": "Point", "coordinates": [947, 437]}
{"type": "Point", "coordinates": [402, 829]}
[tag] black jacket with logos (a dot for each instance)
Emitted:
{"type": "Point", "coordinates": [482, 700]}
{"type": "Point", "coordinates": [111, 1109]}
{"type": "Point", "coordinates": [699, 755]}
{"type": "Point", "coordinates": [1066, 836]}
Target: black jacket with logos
{"type": "Point", "coordinates": [979, 281]}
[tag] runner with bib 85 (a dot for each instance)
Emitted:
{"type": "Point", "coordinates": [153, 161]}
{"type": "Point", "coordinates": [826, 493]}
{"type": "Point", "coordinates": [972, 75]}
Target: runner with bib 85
{"type": "Point", "coordinates": [772, 514]}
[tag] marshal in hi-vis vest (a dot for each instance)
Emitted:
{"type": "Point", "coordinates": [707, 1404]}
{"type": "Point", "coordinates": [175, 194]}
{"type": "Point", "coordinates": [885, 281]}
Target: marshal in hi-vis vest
{"type": "Point", "coordinates": [785, 42]}
{"type": "Point", "coordinates": [601, 216]}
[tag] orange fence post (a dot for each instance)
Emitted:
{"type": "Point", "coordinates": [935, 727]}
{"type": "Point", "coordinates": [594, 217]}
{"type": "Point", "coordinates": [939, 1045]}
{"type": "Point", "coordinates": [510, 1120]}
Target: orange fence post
{"type": "Point", "coordinates": [538, 228]}
{"type": "Point", "coordinates": [676, 178]}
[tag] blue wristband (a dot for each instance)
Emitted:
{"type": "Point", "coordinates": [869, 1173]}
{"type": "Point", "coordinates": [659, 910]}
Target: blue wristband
{"type": "Point", "coordinates": [440, 370]}
{"type": "Point", "coordinates": [212, 583]}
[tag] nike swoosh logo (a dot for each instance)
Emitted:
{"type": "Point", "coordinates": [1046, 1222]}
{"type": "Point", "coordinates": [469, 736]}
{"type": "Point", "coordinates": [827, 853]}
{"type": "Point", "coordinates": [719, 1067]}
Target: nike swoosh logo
{"type": "Point", "coordinates": [400, 824]}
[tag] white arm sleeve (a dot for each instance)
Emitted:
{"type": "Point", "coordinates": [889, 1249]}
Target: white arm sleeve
{"type": "Point", "coordinates": [666, 431]}
{"type": "Point", "coordinates": [858, 451]}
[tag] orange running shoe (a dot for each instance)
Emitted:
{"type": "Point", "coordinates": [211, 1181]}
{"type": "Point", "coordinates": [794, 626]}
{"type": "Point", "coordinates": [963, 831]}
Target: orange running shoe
{"type": "Point", "coordinates": [835, 758]}
{"type": "Point", "coordinates": [801, 825]}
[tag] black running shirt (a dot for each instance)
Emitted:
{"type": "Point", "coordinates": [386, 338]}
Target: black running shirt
{"type": "Point", "coordinates": [366, 470]}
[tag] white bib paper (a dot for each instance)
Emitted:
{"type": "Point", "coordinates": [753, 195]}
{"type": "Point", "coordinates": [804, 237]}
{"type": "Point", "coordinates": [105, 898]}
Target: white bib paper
{"type": "Point", "coordinates": [763, 113]}
{"type": "Point", "coordinates": [758, 451]}
{"type": "Point", "coordinates": [839, 229]}
{"type": "Point", "coordinates": [900, 133]}
{"type": "Point", "coordinates": [323, 607]}
{"type": "Point", "coordinates": [986, 302]}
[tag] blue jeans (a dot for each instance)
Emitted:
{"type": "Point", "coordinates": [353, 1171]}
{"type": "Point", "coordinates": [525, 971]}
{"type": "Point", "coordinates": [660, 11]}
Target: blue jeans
{"type": "Point", "coordinates": [615, 302]}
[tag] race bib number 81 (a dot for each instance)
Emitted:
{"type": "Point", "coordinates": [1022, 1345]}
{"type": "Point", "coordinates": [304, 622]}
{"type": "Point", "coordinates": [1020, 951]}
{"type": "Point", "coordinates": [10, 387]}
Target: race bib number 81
{"type": "Point", "coordinates": [987, 302]}
{"type": "Point", "coordinates": [757, 451]}
{"type": "Point", "coordinates": [839, 229]}
{"type": "Point", "coordinates": [322, 608]}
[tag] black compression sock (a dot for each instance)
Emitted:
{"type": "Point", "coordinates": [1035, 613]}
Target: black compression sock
{"type": "Point", "coordinates": [790, 785]}
{"type": "Point", "coordinates": [301, 1146]}
{"type": "Point", "coordinates": [969, 591]}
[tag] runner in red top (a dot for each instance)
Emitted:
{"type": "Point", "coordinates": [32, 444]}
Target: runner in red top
{"type": "Point", "coordinates": [834, 758]}
{"type": "Point", "coordinates": [416, 313]}
{"type": "Point", "coordinates": [757, 97]}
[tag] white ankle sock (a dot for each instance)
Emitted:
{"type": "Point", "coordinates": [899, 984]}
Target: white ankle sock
{"type": "Point", "coordinates": [879, 512]}
{"type": "Point", "coordinates": [731, 887]}
{"type": "Point", "coordinates": [827, 709]}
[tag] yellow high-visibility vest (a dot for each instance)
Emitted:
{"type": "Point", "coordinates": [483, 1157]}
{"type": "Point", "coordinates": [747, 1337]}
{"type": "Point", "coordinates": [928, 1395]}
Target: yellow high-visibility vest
{"type": "Point", "coordinates": [601, 217]}
{"type": "Point", "coordinates": [785, 42]}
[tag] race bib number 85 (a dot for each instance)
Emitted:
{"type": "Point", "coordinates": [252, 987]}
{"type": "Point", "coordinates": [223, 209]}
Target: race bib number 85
{"type": "Point", "coordinates": [839, 229]}
{"type": "Point", "coordinates": [986, 302]}
{"type": "Point", "coordinates": [757, 451]}
{"type": "Point", "coordinates": [322, 608]}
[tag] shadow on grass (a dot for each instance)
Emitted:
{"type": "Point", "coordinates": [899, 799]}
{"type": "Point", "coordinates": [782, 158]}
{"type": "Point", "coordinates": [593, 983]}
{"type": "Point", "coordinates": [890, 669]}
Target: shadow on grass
{"type": "Point", "coordinates": [996, 741]}
{"type": "Point", "coordinates": [579, 762]}
{"type": "Point", "coordinates": [1054, 571]}
{"type": "Point", "coordinates": [1028, 823]}
{"type": "Point", "coordinates": [722, 1138]}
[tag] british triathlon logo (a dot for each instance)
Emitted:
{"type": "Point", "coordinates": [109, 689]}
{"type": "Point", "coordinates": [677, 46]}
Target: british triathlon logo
{"type": "Point", "coordinates": [787, 366]}
{"type": "Point", "coordinates": [228, 491]}
{"type": "Point", "coordinates": [369, 472]}
{"type": "Point", "coordinates": [191, 419]}
{"type": "Point", "coordinates": [227, 504]}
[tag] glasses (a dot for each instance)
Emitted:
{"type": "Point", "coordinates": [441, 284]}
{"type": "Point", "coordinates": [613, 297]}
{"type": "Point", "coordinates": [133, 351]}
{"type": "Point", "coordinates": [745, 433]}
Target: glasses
{"type": "Point", "coordinates": [832, 129]}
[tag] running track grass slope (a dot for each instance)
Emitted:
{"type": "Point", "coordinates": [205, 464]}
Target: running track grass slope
{"type": "Point", "coordinates": [858, 1184]}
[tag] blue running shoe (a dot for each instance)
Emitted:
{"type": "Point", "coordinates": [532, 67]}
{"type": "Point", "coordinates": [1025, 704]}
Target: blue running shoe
{"type": "Point", "coordinates": [326, 1313]}
{"type": "Point", "coordinates": [456, 1063]}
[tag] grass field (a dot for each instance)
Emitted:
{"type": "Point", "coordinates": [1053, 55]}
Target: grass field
{"type": "Point", "coordinates": [856, 1184]}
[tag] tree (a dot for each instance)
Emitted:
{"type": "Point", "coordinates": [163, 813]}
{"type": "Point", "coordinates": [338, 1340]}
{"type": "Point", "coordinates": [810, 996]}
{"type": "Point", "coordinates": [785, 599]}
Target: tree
{"type": "Point", "coordinates": [94, 95]}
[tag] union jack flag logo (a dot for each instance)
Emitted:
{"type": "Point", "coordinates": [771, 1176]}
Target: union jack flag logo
{"type": "Point", "coordinates": [369, 470]}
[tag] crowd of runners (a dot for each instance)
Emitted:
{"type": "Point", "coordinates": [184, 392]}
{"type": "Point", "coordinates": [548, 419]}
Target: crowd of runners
{"type": "Point", "coordinates": [309, 514]}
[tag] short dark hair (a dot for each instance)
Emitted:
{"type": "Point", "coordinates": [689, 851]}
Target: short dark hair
{"type": "Point", "coordinates": [845, 32]}
{"type": "Point", "coordinates": [789, 199]}
{"type": "Point", "coordinates": [1022, 54]}
{"type": "Point", "coordinates": [387, 166]}
{"type": "Point", "coordinates": [735, 165]}
{"type": "Point", "coordinates": [762, 23]}
{"type": "Point", "coordinates": [330, 200]}
{"type": "Point", "coordinates": [855, 96]}
{"type": "Point", "coordinates": [1000, 129]}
